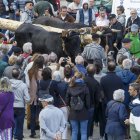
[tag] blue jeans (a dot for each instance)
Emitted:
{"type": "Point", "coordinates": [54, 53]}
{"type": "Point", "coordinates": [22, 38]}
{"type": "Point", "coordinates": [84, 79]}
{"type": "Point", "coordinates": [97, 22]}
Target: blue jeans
{"type": "Point", "coordinates": [110, 137]}
{"type": "Point", "coordinates": [90, 121]}
{"type": "Point", "coordinates": [83, 129]}
{"type": "Point", "coordinates": [19, 115]}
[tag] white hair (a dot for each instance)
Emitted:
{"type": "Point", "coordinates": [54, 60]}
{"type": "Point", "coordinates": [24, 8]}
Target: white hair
{"type": "Point", "coordinates": [52, 57]}
{"type": "Point", "coordinates": [79, 60]}
{"type": "Point", "coordinates": [127, 63]}
{"type": "Point", "coordinates": [57, 76]}
{"type": "Point", "coordinates": [27, 47]}
{"type": "Point", "coordinates": [118, 95]}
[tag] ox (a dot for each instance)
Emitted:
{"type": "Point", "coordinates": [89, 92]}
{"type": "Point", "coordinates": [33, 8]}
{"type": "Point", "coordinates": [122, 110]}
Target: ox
{"type": "Point", "coordinates": [46, 42]}
{"type": "Point", "coordinates": [55, 22]}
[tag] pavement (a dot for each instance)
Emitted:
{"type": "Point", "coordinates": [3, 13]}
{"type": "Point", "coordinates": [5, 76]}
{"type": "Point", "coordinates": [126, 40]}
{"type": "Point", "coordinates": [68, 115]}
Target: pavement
{"type": "Point", "coordinates": [27, 133]}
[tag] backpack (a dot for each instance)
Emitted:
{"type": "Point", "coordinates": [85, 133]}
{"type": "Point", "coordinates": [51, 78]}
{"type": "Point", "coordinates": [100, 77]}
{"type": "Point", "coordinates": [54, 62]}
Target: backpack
{"type": "Point", "coordinates": [76, 103]}
{"type": "Point", "coordinates": [25, 63]}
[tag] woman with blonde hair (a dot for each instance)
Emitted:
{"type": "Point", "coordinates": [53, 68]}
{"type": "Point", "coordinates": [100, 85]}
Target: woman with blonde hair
{"type": "Point", "coordinates": [77, 98]}
{"type": "Point", "coordinates": [6, 109]}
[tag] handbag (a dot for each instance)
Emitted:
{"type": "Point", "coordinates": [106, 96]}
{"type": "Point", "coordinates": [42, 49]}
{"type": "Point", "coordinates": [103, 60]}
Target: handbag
{"type": "Point", "coordinates": [43, 92]}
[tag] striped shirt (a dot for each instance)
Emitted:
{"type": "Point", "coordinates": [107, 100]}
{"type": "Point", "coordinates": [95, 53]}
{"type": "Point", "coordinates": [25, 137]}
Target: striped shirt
{"type": "Point", "coordinates": [94, 51]}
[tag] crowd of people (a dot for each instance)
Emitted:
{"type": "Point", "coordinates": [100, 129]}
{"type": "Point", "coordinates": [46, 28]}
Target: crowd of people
{"type": "Point", "coordinates": [100, 87]}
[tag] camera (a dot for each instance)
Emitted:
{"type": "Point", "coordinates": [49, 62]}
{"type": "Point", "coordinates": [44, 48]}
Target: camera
{"type": "Point", "coordinates": [65, 59]}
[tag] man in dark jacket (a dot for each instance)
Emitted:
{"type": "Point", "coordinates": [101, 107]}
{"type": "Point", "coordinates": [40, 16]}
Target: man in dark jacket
{"type": "Point", "coordinates": [127, 77]}
{"type": "Point", "coordinates": [94, 91]}
{"type": "Point", "coordinates": [110, 82]}
{"type": "Point", "coordinates": [117, 34]}
{"type": "Point", "coordinates": [64, 16]}
{"type": "Point", "coordinates": [133, 19]}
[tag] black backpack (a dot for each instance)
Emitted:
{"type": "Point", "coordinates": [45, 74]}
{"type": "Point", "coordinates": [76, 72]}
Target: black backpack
{"type": "Point", "coordinates": [76, 103]}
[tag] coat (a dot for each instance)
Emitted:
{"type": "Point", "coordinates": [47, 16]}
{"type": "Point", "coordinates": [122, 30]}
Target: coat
{"type": "Point", "coordinates": [116, 114]}
{"type": "Point", "coordinates": [94, 90]}
{"type": "Point", "coordinates": [134, 120]}
{"type": "Point", "coordinates": [135, 43]}
{"type": "Point", "coordinates": [3, 65]}
{"type": "Point", "coordinates": [109, 84]}
{"type": "Point", "coordinates": [7, 117]}
{"type": "Point", "coordinates": [82, 90]}
{"type": "Point", "coordinates": [44, 84]}
{"type": "Point", "coordinates": [68, 18]}
{"type": "Point", "coordinates": [127, 77]}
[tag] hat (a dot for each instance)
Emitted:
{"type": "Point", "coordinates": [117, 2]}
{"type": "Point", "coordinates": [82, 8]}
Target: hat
{"type": "Point", "coordinates": [95, 36]}
{"type": "Point", "coordinates": [29, 1]}
{"type": "Point", "coordinates": [134, 28]}
{"type": "Point", "coordinates": [85, 2]}
{"type": "Point", "coordinates": [111, 16]}
{"type": "Point", "coordinates": [46, 97]}
{"type": "Point", "coordinates": [126, 40]}
{"type": "Point", "coordinates": [17, 49]}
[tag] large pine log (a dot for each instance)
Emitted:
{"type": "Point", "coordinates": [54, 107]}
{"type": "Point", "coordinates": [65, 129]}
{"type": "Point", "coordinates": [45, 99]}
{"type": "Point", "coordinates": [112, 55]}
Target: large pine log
{"type": "Point", "coordinates": [12, 25]}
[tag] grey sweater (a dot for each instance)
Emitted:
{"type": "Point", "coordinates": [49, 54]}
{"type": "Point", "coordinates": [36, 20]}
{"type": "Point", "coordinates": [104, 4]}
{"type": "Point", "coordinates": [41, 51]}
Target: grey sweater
{"type": "Point", "coordinates": [94, 51]}
{"type": "Point", "coordinates": [21, 94]}
{"type": "Point", "coordinates": [51, 121]}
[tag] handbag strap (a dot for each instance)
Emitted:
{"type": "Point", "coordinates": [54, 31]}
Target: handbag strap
{"type": "Point", "coordinates": [62, 100]}
{"type": "Point", "coordinates": [4, 107]}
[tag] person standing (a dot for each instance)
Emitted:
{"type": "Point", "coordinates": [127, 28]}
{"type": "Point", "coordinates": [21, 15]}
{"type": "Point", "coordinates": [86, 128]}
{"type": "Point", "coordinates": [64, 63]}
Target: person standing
{"type": "Point", "coordinates": [94, 50]}
{"type": "Point", "coordinates": [85, 15]}
{"type": "Point", "coordinates": [133, 19]}
{"type": "Point", "coordinates": [6, 109]}
{"type": "Point", "coordinates": [117, 34]}
{"type": "Point", "coordinates": [65, 16]}
{"type": "Point", "coordinates": [135, 40]}
{"type": "Point", "coordinates": [107, 85]}
{"type": "Point", "coordinates": [121, 15]}
{"type": "Point", "coordinates": [126, 44]}
{"type": "Point", "coordinates": [34, 75]}
{"type": "Point", "coordinates": [27, 15]}
{"type": "Point", "coordinates": [134, 90]}
{"type": "Point", "coordinates": [116, 114]}
{"type": "Point", "coordinates": [94, 91]}
{"type": "Point", "coordinates": [78, 99]}
{"type": "Point", "coordinates": [22, 96]}
{"type": "Point", "coordinates": [51, 119]}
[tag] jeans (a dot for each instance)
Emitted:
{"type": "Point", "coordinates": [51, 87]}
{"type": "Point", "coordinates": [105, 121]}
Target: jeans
{"type": "Point", "coordinates": [111, 137]}
{"type": "Point", "coordinates": [66, 114]}
{"type": "Point", "coordinates": [19, 115]}
{"type": "Point", "coordinates": [34, 116]}
{"type": "Point", "coordinates": [90, 121]}
{"type": "Point", "coordinates": [83, 129]}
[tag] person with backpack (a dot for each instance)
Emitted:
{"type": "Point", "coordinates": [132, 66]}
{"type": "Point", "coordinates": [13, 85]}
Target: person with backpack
{"type": "Point", "coordinates": [126, 44]}
{"type": "Point", "coordinates": [78, 99]}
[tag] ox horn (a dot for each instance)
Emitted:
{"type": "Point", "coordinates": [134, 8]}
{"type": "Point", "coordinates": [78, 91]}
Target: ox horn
{"type": "Point", "coordinates": [12, 25]}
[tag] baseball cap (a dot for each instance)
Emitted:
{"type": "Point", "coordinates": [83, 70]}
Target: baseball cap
{"type": "Point", "coordinates": [126, 40]}
{"type": "Point", "coordinates": [134, 28]}
{"type": "Point", "coordinates": [111, 16]}
{"type": "Point", "coordinates": [46, 97]}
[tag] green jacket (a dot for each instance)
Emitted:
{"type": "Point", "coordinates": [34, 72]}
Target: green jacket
{"type": "Point", "coordinates": [3, 65]}
{"type": "Point", "coordinates": [41, 6]}
{"type": "Point", "coordinates": [135, 135]}
{"type": "Point", "coordinates": [135, 44]}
